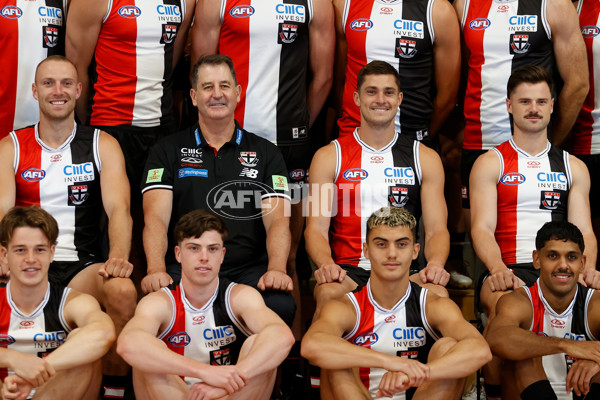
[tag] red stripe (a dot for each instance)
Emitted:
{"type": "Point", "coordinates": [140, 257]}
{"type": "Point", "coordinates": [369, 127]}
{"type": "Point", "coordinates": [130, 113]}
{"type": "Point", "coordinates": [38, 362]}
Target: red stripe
{"type": "Point", "coordinates": [474, 42]}
{"type": "Point", "coordinates": [116, 58]}
{"type": "Point", "coordinates": [506, 223]}
{"type": "Point", "coordinates": [346, 241]}
{"type": "Point", "coordinates": [235, 42]}
{"type": "Point", "coordinates": [30, 156]}
{"type": "Point", "coordinates": [356, 58]}
{"type": "Point", "coordinates": [538, 309]}
{"type": "Point", "coordinates": [8, 69]}
{"type": "Point", "coordinates": [583, 127]}
{"type": "Point", "coordinates": [5, 313]}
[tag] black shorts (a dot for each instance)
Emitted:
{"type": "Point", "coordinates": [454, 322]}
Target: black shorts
{"type": "Point", "coordinates": [524, 271]}
{"type": "Point", "coordinates": [592, 161]}
{"type": "Point", "coordinates": [361, 275]}
{"type": "Point", "coordinates": [297, 159]}
{"type": "Point", "coordinates": [466, 165]}
{"type": "Point", "coordinates": [136, 143]}
{"type": "Point", "coordinates": [63, 272]}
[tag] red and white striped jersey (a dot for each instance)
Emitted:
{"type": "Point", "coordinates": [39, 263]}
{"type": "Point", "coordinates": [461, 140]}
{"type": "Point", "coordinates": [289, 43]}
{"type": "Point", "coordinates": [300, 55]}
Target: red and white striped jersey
{"type": "Point", "coordinates": [400, 33]}
{"type": "Point", "coordinates": [133, 60]}
{"type": "Point", "coordinates": [500, 36]}
{"type": "Point", "coordinates": [366, 180]}
{"type": "Point", "coordinates": [30, 31]}
{"type": "Point", "coordinates": [66, 183]}
{"type": "Point", "coordinates": [402, 331]}
{"type": "Point", "coordinates": [570, 324]}
{"type": "Point", "coordinates": [269, 45]}
{"type": "Point", "coordinates": [211, 335]}
{"type": "Point", "coordinates": [38, 333]}
{"type": "Point", "coordinates": [587, 127]}
{"type": "Point", "coordinates": [532, 190]}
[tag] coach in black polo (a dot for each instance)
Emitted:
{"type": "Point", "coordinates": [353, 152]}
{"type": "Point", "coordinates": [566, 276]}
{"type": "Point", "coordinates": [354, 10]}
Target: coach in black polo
{"type": "Point", "coordinates": [217, 165]}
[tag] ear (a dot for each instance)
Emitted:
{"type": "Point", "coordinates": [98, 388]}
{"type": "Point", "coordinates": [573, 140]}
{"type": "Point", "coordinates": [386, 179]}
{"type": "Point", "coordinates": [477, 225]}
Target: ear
{"type": "Point", "coordinates": [356, 99]}
{"type": "Point", "coordinates": [238, 89]}
{"type": "Point", "coordinates": [551, 105]}
{"type": "Point", "coordinates": [400, 97]}
{"type": "Point", "coordinates": [178, 254]}
{"type": "Point", "coordinates": [34, 90]}
{"type": "Point", "coordinates": [536, 260]}
{"type": "Point", "coordinates": [366, 250]}
{"type": "Point", "coordinates": [78, 90]}
{"type": "Point", "coordinates": [508, 105]}
{"type": "Point", "coordinates": [193, 96]}
{"type": "Point", "coordinates": [416, 250]}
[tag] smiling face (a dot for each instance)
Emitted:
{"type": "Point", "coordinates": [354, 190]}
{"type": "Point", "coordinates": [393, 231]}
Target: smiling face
{"type": "Point", "coordinates": [378, 98]}
{"type": "Point", "coordinates": [28, 255]}
{"type": "Point", "coordinates": [216, 95]}
{"type": "Point", "coordinates": [560, 262]}
{"type": "Point", "coordinates": [531, 106]}
{"type": "Point", "coordinates": [390, 251]}
{"type": "Point", "coordinates": [201, 257]}
{"type": "Point", "coordinates": [56, 89]}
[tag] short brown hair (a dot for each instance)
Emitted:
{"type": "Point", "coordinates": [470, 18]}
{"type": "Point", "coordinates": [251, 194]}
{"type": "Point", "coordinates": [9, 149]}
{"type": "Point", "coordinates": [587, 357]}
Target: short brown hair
{"type": "Point", "coordinates": [32, 217]}
{"type": "Point", "coordinates": [213, 59]}
{"type": "Point", "coordinates": [392, 217]}
{"type": "Point", "coordinates": [528, 74]}
{"type": "Point", "coordinates": [195, 223]}
{"type": "Point", "coordinates": [376, 68]}
{"type": "Point", "coordinates": [55, 57]}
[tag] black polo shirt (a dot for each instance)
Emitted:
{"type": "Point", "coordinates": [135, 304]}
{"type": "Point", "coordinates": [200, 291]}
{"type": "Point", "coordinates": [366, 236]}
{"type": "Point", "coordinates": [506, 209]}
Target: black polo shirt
{"type": "Point", "coordinates": [231, 182]}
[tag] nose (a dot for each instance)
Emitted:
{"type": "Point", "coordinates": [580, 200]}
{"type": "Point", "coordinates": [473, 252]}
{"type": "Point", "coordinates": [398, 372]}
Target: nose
{"type": "Point", "coordinates": [30, 256]}
{"type": "Point", "coordinates": [217, 92]}
{"type": "Point", "coordinates": [380, 97]}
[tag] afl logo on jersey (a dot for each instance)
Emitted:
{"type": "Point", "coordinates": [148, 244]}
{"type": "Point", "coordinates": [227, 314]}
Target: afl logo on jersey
{"type": "Point", "coordinates": [590, 31]}
{"type": "Point", "coordinates": [179, 339]}
{"type": "Point", "coordinates": [297, 174]}
{"type": "Point", "coordinates": [33, 174]}
{"type": "Point", "coordinates": [11, 12]}
{"type": "Point", "coordinates": [512, 178]}
{"type": "Point", "coordinates": [479, 24]}
{"type": "Point", "coordinates": [242, 11]}
{"type": "Point", "coordinates": [366, 339]}
{"type": "Point", "coordinates": [361, 24]}
{"type": "Point", "coordinates": [6, 340]}
{"type": "Point", "coordinates": [130, 12]}
{"type": "Point", "coordinates": [355, 174]}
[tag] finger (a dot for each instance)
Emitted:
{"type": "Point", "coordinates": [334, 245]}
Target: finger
{"type": "Point", "coordinates": [342, 275]}
{"type": "Point", "coordinates": [102, 271]}
{"type": "Point", "coordinates": [261, 284]}
{"type": "Point", "coordinates": [319, 277]}
{"type": "Point", "coordinates": [290, 285]}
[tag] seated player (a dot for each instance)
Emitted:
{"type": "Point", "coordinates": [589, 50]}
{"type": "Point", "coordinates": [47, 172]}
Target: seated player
{"type": "Point", "coordinates": [547, 333]}
{"type": "Point", "coordinates": [77, 174]}
{"type": "Point", "coordinates": [206, 336]}
{"type": "Point", "coordinates": [52, 336]}
{"type": "Point", "coordinates": [393, 338]}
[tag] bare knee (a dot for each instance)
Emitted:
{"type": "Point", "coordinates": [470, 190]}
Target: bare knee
{"type": "Point", "coordinates": [328, 291]}
{"type": "Point", "coordinates": [119, 297]}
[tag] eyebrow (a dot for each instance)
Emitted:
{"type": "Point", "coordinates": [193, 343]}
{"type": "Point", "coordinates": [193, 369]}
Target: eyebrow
{"type": "Point", "coordinates": [386, 240]}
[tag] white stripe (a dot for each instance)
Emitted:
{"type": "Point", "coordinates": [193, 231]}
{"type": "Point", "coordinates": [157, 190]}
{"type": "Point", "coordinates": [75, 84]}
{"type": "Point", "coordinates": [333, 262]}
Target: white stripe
{"type": "Point", "coordinates": [263, 73]}
{"type": "Point", "coordinates": [545, 23]}
{"type": "Point", "coordinates": [245, 330]}
{"type": "Point", "coordinates": [338, 159]}
{"type": "Point", "coordinates": [108, 8]}
{"type": "Point", "coordinates": [13, 136]}
{"type": "Point", "coordinates": [35, 313]}
{"type": "Point", "coordinates": [166, 187]}
{"type": "Point", "coordinates": [595, 148]}
{"type": "Point", "coordinates": [417, 160]}
{"type": "Point", "coordinates": [430, 20]}
{"type": "Point", "coordinates": [61, 309]}
{"type": "Point", "coordinates": [96, 150]}
{"type": "Point", "coordinates": [345, 14]}
{"type": "Point", "coordinates": [352, 299]}
{"type": "Point", "coordinates": [173, 313]}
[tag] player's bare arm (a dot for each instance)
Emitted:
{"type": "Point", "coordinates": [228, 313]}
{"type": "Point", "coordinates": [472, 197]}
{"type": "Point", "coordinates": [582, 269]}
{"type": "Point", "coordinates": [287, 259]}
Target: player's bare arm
{"type": "Point", "coordinates": [84, 21]}
{"type": "Point", "coordinates": [571, 60]}
{"type": "Point", "coordinates": [184, 29]}
{"type": "Point", "coordinates": [320, 204]}
{"type": "Point", "coordinates": [158, 204]}
{"type": "Point", "coordinates": [321, 35]}
{"type": "Point", "coordinates": [275, 216]}
{"type": "Point", "coordinates": [324, 346]}
{"type": "Point", "coordinates": [484, 199]}
{"type": "Point", "coordinates": [115, 199]}
{"type": "Point", "coordinates": [435, 217]}
{"type": "Point", "coordinates": [341, 47]}
{"type": "Point", "coordinates": [469, 353]}
{"type": "Point", "coordinates": [138, 339]}
{"type": "Point", "coordinates": [580, 215]}
{"type": "Point", "coordinates": [446, 53]}
{"type": "Point", "coordinates": [206, 29]}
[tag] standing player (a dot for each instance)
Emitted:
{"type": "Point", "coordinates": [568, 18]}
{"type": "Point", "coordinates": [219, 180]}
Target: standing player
{"type": "Point", "coordinates": [586, 132]}
{"type": "Point", "coordinates": [355, 175]}
{"type": "Point", "coordinates": [218, 337]}
{"type": "Point", "coordinates": [520, 185]}
{"type": "Point", "coordinates": [52, 336]}
{"type": "Point", "coordinates": [421, 39]}
{"type": "Point", "coordinates": [132, 47]}
{"type": "Point", "coordinates": [75, 173]}
{"type": "Point", "coordinates": [30, 30]}
{"type": "Point", "coordinates": [501, 36]}
{"type": "Point", "coordinates": [403, 340]}
{"type": "Point", "coordinates": [547, 333]}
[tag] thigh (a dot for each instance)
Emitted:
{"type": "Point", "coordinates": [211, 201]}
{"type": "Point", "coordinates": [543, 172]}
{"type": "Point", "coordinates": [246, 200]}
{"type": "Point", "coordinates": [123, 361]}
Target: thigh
{"type": "Point", "coordinates": [89, 281]}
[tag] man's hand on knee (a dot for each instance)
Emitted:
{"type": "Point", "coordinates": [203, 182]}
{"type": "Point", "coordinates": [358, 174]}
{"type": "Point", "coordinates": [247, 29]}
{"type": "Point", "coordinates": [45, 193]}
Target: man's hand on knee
{"type": "Point", "coordinates": [502, 280]}
{"type": "Point", "coordinates": [590, 278]}
{"type": "Point", "coordinates": [275, 280]}
{"type": "Point", "coordinates": [116, 267]}
{"type": "Point", "coordinates": [330, 273]}
{"type": "Point", "coordinates": [435, 274]}
{"type": "Point", "coordinates": [155, 281]}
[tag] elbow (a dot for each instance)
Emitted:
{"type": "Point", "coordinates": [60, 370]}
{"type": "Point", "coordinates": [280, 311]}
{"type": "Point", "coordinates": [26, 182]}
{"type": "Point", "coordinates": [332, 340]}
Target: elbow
{"type": "Point", "coordinates": [309, 349]}
{"type": "Point", "coordinates": [125, 347]}
{"type": "Point", "coordinates": [106, 337]}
